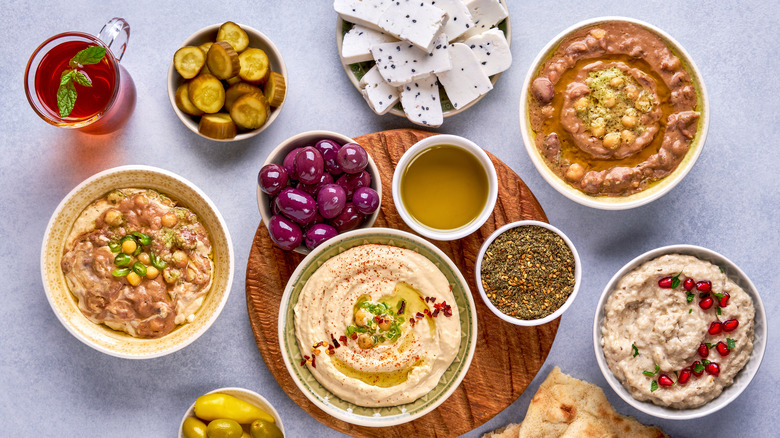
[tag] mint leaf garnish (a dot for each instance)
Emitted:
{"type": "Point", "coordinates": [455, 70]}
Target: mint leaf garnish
{"type": "Point", "coordinates": [648, 373]}
{"type": "Point", "coordinates": [653, 386]}
{"type": "Point", "coordinates": [676, 280]}
{"type": "Point", "coordinates": [66, 93]}
{"type": "Point", "coordinates": [730, 343]}
{"type": "Point", "coordinates": [698, 368]}
{"type": "Point", "coordinates": [90, 55]}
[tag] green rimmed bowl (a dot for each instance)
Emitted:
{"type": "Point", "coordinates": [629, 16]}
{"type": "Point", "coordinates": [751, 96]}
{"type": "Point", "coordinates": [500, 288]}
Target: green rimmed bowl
{"type": "Point", "coordinates": [376, 416]}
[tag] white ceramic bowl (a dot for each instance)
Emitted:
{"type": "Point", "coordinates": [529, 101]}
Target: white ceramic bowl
{"type": "Point", "coordinates": [309, 138]}
{"type": "Point", "coordinates": [356, 71]}
{"type": "Point", "coordinates": [257, 40]}
{"type": "Point", "coordinates": [743, 378]}
{"type": "Point", "coordinates": [65, 305]}
{"type": "Point", "coordinates": [657, 189]}
{"type": "Point", "coordinates": [560, 310]}
{"type": "Point", "coordinates": [381, 416]}
{"type": "Point", "coordinates": [242, 394]}
{"type": "Point", "coordinates": [473, 149]}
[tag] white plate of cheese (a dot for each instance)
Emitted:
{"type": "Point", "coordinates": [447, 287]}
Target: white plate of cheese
{"type": "Point", "coordinates": [423, 59]}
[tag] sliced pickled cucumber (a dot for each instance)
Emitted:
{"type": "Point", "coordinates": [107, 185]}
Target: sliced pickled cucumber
{"type": "Point", "coordinates": [206, 93]}
{"type": "Point", "coordinates": [250, 111]}
{"type": "Point", "coordinates": [219, 126]}
{"type": "Point", "coordinates": [232, 33]}
{"type": "Point", "coordinates": [275, 89]}
{"type": "Point", "coordinates": [223, 60]}
{"type": "Point", "coordinates": [237, 90]}
{"type": "Point", "coordinates": [234, 80]}
{"type": "Point", "coordinates": [254, 66]}
{"type": "Point", "coordinates": [188, 61]}
{"type": "Point", "coordinates": [183, 102]}
{"type": "Point", "coordinates": [205, 47]}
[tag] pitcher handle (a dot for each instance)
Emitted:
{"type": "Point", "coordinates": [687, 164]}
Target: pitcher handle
{"type": "Point", "coordinates": [115, 35]}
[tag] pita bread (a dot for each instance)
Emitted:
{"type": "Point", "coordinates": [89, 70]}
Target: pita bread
{"type": "Point", "coordinates": [567, 407]}
{"type": "Point", "coordinates": [509, 431]}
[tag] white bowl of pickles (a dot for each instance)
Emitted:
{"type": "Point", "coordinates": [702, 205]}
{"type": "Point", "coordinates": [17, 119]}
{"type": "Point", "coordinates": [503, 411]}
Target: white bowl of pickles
{"type": "Point", "coordinates": [227, 82]}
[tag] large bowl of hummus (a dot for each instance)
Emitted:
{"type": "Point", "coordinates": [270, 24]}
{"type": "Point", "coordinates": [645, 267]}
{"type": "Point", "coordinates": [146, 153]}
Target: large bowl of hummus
{"type": "Point", "coordinates": [137, 262]}
{"type": "Point", "coordinates": [679, 332]}
{"type": "Point", "coordinates": [613, 113]}
{"type": "Point", "coordinates": [377, 327]}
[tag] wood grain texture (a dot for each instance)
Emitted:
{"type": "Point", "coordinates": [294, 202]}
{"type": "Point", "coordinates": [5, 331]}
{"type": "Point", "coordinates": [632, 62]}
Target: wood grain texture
{"type": "Point", "coordinates": [507, 357]}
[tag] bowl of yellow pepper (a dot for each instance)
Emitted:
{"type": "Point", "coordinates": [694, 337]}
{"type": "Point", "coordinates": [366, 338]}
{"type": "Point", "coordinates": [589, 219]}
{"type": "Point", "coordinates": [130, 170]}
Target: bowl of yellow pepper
{"type": "Point", "coordinates": [231, 413]}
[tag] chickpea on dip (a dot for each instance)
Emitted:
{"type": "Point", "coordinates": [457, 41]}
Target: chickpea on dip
{"type": "Point", "coordinates": [377, 325]}
{"type": "Point", "coordinates": [138, 263]}
{"type": "Point", "coordinates": [677, 331]}
{"type": "Point", "coordinates": [613, 109]}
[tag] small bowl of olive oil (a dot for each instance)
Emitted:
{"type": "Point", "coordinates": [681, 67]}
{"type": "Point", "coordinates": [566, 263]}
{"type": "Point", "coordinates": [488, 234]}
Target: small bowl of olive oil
{"type": "Point", "coordinates": [445, 187]}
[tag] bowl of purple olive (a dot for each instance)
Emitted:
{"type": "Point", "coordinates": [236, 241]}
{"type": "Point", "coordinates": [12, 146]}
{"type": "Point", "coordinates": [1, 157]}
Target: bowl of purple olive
{"type": "Point", "coordinates": [314, 186]}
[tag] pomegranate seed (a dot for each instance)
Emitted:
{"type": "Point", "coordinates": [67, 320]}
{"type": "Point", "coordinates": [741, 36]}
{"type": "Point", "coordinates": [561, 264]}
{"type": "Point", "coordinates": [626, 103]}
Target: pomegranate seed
{"type": "Point", "coordinates": [693, 369]}
{"type": "Point", "coordinates": [730, 325]}
{"type": "Point", "coordinates": [715, 328]}
{"type": "Point", "coordinates": [712, 369]}
{"type": "Point", "coordinates": [685, 375]}
{"type": "Point", "coordinates": [706, 302]}
{"type": "Point", "coordinates": [703, 350]}
{"type": "Point", "coordinates": [704, 286]}
{"type": "Point", "coordinates": [665, 283]}
{"type": "Point", "coordinates": [725, 300]}
{"type": "Point", "coordinates": [688, 284]}
{"type": "Point", "coordinates": [664, 380]}
{"type": "Point", "coordinates": [723, 349]}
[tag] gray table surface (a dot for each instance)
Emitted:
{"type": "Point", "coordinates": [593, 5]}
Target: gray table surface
{"type": "Point", "coordinates": [51, 384]}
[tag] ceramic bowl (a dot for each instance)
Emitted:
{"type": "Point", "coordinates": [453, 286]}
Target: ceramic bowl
{"type": "Point", "coordinates": [241, 394]}
{"type": "Point", "coordinates": [470, 147]}
{"type": "Point", "coordinates": [560, 310]}
{"type": "Point", "coordinates": [309, 138]}
{"type": "Point", "coordinates": [257, 40]}
{"type": "Point", "coordinates": [657, 189]}
{"type": "Point", "coordinates": [356, 71]}
{"type": "Point", "coordinates": [743, 378]}
{"type": "Point", "coordinates": [65, 305]}
{"type": "Point", "coordinates": [376, 416]}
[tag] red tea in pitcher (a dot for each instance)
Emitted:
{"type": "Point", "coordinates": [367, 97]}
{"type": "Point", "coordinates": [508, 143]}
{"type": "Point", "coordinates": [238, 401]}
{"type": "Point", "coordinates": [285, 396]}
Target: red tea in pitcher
{"type": "Point", "coordinates": [90, 100]}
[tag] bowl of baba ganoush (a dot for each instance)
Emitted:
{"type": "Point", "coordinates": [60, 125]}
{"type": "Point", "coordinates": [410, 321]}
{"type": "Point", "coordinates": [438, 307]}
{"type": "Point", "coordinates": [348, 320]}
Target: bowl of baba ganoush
{"type": "Point", "coordinates": [679, 332]}
{"type": "Point", "coordinates": [613, 113]}
{"type": "Point", "coordinates": [137, 262]}
{"type": "Point", "coordinates": [377, 327]}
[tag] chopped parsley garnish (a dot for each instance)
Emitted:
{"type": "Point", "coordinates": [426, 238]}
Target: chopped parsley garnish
{"type": "Point", "coordinates": [636, 350]}
{"type": "Point", "coordinates": [652, 373]}
{"type": "Point", "coordinates": [676, 280]}
{"type": "Point", "coordinates": [653, 386]}
{"type": "Point", "coordinates": [730, 343]}
{"type": "Point", "coordinates": [699, 367]}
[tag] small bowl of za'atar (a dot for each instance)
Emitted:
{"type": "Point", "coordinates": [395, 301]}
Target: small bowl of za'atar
{"type": "Point", "coordinates": [679, 332]}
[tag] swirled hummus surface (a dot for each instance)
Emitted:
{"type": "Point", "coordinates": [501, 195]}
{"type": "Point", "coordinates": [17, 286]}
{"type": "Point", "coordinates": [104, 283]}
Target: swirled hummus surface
{"type": "Point", "coordinates": [650, 331]}
{"type": "Point", "coordinates": [138, 263]}
{"type": "Point", "coordinates": [377, 325]}
{"type": "Point", "coordinates": [613, 109]}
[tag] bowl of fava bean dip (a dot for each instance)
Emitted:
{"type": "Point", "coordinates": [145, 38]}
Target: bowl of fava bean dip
{"type": "Point", "coordinates": [614, 113]}
{"type": "Point", "coordinates": [137, 262]}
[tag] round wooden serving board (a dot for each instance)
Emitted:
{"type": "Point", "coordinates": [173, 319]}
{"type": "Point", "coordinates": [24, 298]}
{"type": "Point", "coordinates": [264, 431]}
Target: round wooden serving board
{"type": "Point", "coordinates": [507, 357]}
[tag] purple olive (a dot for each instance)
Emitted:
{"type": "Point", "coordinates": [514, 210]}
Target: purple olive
{"type": "Point", "coordinates": [312, 189]}
{"type": "Point", "coordinates": [309, 165]}
{"type": "Point", "coordinates": [296, 205]}
{"type": "Point", "coordinates": [286, 234]}
{"type": "Point", "coordinates": [354, 181]}
{"type": "Point", "coordinates": [318, 234]}
{"type": "Point", "coordinates": [329, 149]}
{"type": "Point", "coordinates": [289, 163]}
{"type": "Point", "coordinates": [274, 207]}
{"type": "Point", "coordinates": [331, 200]}
{"type": "Point", "coordinates": [366, 200]}
{"type": "Point", "coordinates": [352, 158]}
{"type": "Point", "coordinates": [317, 219]}
{"type": "Point", "coordinates": [272, 178]}
{"type": "Point", "coordinates": [349, 219]}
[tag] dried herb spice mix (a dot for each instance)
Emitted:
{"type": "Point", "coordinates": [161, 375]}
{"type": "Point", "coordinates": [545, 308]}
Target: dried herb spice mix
{"type": "Point", "coordinates": [528, 272]}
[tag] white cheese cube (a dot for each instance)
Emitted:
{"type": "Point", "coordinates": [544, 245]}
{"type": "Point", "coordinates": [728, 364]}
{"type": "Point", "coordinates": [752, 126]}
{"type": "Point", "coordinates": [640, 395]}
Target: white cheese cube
{"type": "Point", "coordinates": [466, 80]}
{"type": "Point", "coordinates": [486, 14]}
{"type": "Point", "coordinates": [413, 21]}
{"type": "Point", "coordinates": [380, 95]}
{"type": "Point", "coordinates": [458, 17]}
{"type": "Point", "coordinates": [421, 103]}
{"type": "Point", "coordinates": [363, 12]}
{"type": "Point", "coordinates": [357, 43]}
{"type": "Point", "coordinates": [492, 50]}
{"type": "Point", "coordinates": [402, 62]}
